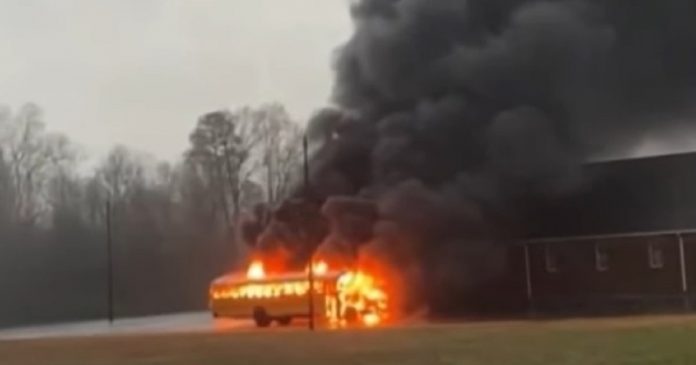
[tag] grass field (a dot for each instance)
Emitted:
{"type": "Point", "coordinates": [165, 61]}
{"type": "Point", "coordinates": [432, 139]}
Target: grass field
{"type": "Point", "coordinates": [641, 340]}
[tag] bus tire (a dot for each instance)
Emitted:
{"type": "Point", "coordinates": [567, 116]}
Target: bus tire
{"type": "Point", "coordinates": [284, 321]}
{"type": "Point", "coordinates": [261, 318]}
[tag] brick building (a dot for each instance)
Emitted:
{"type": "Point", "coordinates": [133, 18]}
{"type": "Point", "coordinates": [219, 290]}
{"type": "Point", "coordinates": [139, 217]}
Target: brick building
{"type": "Point", "coordinates": [625, 243]}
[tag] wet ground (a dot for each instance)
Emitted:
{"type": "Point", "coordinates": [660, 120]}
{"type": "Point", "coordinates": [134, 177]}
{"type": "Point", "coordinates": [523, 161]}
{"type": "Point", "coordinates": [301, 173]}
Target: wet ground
{"type": "Point", "coordinates": [627, 340]}
{"type": "Point", "coordinates": [174, 323]}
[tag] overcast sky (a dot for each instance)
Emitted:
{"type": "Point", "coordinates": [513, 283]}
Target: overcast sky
{"type": "Point", "coordinates": [139, 72]}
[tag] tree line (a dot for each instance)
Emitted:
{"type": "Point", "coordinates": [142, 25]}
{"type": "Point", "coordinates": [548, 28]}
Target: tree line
{"type": "Point", "coordinates": [174, 224]}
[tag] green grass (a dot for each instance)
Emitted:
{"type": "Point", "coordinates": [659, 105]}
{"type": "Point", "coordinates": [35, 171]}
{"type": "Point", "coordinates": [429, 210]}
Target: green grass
{"type": "Point", "coordinates": [643, 340]}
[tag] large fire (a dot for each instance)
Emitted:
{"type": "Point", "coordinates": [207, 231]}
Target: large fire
{"type": "Point", "coordinates": [351, 295]}
{"type": "Point", "coordinates": [320, 267]}
{"type": "Point", "coordinates": [365, 296]}
{"type": "Point", "coordinates": [256, 270]}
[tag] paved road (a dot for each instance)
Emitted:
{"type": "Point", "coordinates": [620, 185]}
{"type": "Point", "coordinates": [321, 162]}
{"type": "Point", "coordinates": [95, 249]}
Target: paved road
{"type": "Point", "coordinates": [175, 323]}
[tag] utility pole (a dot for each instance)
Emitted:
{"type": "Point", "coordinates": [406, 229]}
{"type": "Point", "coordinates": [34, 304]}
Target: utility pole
{"type": "Point", "coordinates": [109, 267]}
{"type": "Point", "coordinates": [310, 271]}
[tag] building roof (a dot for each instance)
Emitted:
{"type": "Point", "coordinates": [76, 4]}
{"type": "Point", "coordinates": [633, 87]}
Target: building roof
{"type": "Point", "coordinates": [637, 195]}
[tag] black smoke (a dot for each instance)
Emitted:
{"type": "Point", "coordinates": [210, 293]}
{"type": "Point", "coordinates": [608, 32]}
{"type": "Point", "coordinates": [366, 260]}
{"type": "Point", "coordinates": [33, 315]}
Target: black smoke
{"type": "Point", "coordinates": [452, 117]}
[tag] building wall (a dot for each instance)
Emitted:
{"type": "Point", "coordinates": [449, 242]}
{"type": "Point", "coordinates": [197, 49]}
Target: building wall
{"type": "Point", "coordinates": [628, 283]}
{"type": "Point", "coordinates": [618, 198]}
{"type": "Point", "coordinates": [690, 261]}
{"type": "Point", "coordinates": [500, 294]}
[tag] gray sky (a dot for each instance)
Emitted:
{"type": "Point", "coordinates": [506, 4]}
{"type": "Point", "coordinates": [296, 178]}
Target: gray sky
{"type": "Point", "coordinates": [139, 72]}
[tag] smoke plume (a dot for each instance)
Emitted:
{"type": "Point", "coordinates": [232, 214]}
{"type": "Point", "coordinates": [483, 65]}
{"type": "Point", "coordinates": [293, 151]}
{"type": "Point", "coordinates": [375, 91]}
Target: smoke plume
{"type": "Point", "coordinates": [452, 116]}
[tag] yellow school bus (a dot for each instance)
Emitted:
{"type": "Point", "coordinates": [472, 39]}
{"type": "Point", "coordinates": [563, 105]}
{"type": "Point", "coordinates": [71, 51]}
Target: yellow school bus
{"type": "Point", "coordinates": [339, 297]}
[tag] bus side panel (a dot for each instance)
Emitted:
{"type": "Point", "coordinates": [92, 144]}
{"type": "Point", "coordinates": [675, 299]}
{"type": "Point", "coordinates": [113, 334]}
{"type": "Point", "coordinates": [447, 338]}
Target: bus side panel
{"type": "Point", "coordinates": [293, 306]}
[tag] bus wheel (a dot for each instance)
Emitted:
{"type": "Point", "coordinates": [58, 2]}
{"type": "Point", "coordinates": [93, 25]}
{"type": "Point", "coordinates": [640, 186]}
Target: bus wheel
{"type": "Point", "coordinates": [261, 317]}
{"type": "Point", "coordinates": [284, 321]}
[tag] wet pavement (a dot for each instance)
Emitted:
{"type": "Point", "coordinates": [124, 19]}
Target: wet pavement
{"type": "Point", "coordinates": [162, 324]}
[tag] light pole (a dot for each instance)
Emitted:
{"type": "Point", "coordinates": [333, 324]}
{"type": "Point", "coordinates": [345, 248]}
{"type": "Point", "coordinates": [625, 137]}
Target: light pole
{"type": "Point", "coordinates": [109, 266]}
{"type": "Point", "coordinates": [310, 271]}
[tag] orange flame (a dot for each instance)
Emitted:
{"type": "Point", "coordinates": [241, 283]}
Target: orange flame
{"type": "Point", "coordinates": [256, 270]}
{"type": "Point", "coordinates": [371, 319]}
{"type": "Point", "coordinates": [361, 294]}
{"type": "Point", "coordinates": [320, 267]}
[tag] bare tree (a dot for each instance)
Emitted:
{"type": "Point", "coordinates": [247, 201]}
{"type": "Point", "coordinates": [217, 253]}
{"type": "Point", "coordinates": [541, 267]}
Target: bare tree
{"type": "Point", "coordinates": [198, 194]}
{"type": "Point", "coordinates": [95, 195]}
{"type": "Point", "coordinates": [6, 191]}
{"type": "Point", "coordinates": [121, 174]}
{"type": "Point", "coordinates": [165, 222]}
{"type": "Point", "coordinates": [65, 189]}
{"type": "Point", "coordinates": [221, 146]}
{"type": "Point", "coordinates": [32, 156]}
{"type": "Point", "coordinates": [66, 196]}
{"type": "Point", "coordinates": [278, 149]}
{"type": "Point", "coordinates": [207, 153]}
{"type": "Point", "coordinates": [232, 148]}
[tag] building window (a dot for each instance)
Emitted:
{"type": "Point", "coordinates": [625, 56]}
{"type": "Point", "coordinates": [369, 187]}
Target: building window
{"type": "Point", "coordinates": [601, 257]}
{"type": "Point", "coordinates": [551, 259]}
{"type": "Point", "coordinates": [656, 256]}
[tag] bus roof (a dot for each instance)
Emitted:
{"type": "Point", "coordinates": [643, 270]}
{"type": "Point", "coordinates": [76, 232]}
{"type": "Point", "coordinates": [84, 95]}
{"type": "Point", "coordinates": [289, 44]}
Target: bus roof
{"type": "Point", "coordinates": [241, 278]}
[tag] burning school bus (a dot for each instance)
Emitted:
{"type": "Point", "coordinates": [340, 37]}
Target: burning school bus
{"type": "Point", "coordinates": [339, 297]}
